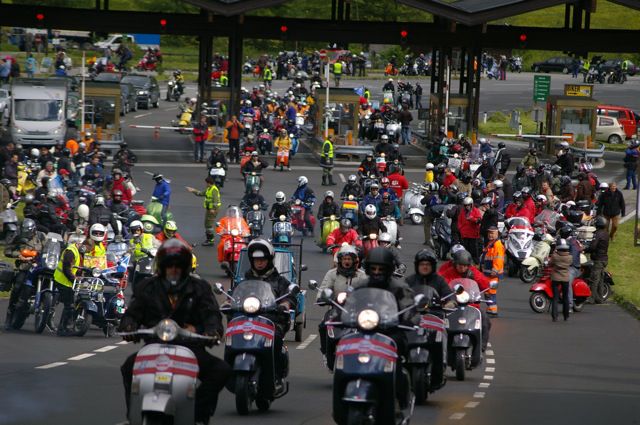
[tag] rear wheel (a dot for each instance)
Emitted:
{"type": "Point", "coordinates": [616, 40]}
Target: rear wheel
{"type": "Point", "coordinates": [43, 312]}
{"type": "Point", "coordinates": [460, 364]}
{"type": "Point", "coordinates": [416, 218]}
{"type": "Point", "coordinates": [539, 302]}
{"type": "Point", "coordinates": [614, 139]}
{"type": "Point", "coordinates": [21, 311]}
{"type": "Point", "coordinates": [602, 293]}
{"type": "Point", "coordinates": [83, 322]}
{"type": "Point", "coordinates": [526, 275]}
{"type": "Point", "coordinates": [243, 395]}
{"type": "Point", "coordinates": [578, 304]}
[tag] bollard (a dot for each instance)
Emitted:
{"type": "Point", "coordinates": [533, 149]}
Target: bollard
{"type": "Point", "coordinates": [484, 118]}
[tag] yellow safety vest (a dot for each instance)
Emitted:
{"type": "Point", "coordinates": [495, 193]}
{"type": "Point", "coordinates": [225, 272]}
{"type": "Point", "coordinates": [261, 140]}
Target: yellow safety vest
{"type": "Point", "coordinates": [327, 154]}
{"type": "Point", "coordinates": [367, 94]}
{"type": "Point", "coordinates": [337, 68]}
{"type": "Point", "coordinates": [209, 201]}
{"type": "Point", "coordinates": [59, 275]}
{"type": "Point", "coordinates": [224, 80]}
{"type": "Point", "coordinates": [145, 242]}
{"type": "Point", "coordinates": [267, 74]}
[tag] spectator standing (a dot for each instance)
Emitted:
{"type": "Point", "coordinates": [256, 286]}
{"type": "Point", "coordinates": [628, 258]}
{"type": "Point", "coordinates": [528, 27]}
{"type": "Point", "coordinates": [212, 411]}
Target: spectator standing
{"type": "Point", "coordinates": [30, 65]}
{"type": "Point", "coordinates": [233, 128]}
{"type": "Point", "coordinates": [561, 261]}
{"type": "Point", "coordinates": [200, 135]}
{"type": "Point", "coordinates": [631, 164]}
{"type": "Point", "coordinates": [405, 119]}
{"type": "Point", "coordinates": [611, 205]}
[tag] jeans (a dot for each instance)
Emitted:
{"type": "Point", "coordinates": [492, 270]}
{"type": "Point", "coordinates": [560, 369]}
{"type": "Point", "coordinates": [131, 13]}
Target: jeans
{"type": "Point", "coordinates": [555, 286]}
{"type": "Point", "coordinates": [234, 150]}
{"type": "Point", "coordinates": [198, 151]}
{"type": "Point", "coordinates": [418, 101]}
{"type": "Point", "coordinates": [573, 273]}
{"type": "Point", "coordinates": [406, 135]}
{"type": "Point", "coordinates": [632, 179]}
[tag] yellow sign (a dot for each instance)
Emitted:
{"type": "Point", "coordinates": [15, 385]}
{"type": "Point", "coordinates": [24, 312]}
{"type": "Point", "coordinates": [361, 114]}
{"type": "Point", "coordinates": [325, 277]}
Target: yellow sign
{"type": "Point", "coordinates": [578, 90]}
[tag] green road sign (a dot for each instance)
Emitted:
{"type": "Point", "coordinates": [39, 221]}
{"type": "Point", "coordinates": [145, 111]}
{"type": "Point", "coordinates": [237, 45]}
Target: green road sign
{"type": "Point", "coordinates": [541, 87]}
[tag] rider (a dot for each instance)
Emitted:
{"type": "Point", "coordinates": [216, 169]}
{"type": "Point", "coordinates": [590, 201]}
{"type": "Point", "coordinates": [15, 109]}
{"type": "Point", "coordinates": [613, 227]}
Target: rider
{"type": "Point", "coordinates": [385, 182]}
{"type": "Point", "coordinates": [371, 223]}
{"type": "Point", "coordinates": [372, 198]}
{"type": "Point", "coordinates": [280, 207]}
{"type": "Point", "coordinates": [169, 231]}
{"type": "Point", "coordinates": [518, 209]}
{"type": "Point", "coordinates": [141, 243]}
{"type": "Point", "coordinates": [328, 207]}
{"type": "Point", "coordinates": [282, 144]}
{"type": "Point", "coordinates": [216, 156]}
{"type": "Point", "coordinates": [174, 293]}
{"type": "Point", "coordinates": [261, 255]}
{"type": "Point", "coordinates": [492, 264]}
{"type": "Point", "coordinates": [367, 167]}
{"type": "Point", "coordinates": [352, 188]}
{"type": "Point", "coordinates": [252, 198]}
{"type": "Point", "coordinates": [305, 194]}
{"type": "Point", "coordinates": [385, 242]}
{"type": "Point", "coordinates": [344, 235]}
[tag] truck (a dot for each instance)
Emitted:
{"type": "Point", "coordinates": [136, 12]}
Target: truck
{"type": "Point", "coordinates": [38, 111]}
{"type": "Point", "coordinates": [102, 110]}
{"type": "Point", "coordinates": [143, 41]}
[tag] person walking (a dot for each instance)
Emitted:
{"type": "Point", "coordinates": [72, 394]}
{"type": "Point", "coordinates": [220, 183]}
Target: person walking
{"type": "Point", "coordinates": [561, 261]}
{"type": "Point", "coordinates": [267, 77]}
{"type": "Point", "coordinates": [30, 65]}
{"type": "Point", "coordinates": [418, 92]}
{"type": "Point", "coordinates": [405, 119]}
{"type": "Point", "coordinates": [234, 128]}
{"type": "Point", "coordinates": [492, 265]}
{"type": "Point", "coordinates": [326, 161]}
{"type": "Point", "coordinates": [631, 164]}
{"type": "Point", "coordinates": [162, 192]}
{"type": "Point", "coordinates": [611, 206]}
{"type": "Point", "coordinates": [337, 71]}
{"type": "Point", "coordinates": [200, 135]}
{"type": "Point", "coordinates": [212, 203]}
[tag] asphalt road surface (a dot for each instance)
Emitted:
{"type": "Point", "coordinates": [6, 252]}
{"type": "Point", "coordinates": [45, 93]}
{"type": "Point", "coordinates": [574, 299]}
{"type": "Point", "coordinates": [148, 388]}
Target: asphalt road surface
{"type": "Point", "coordinates": [584, 371]}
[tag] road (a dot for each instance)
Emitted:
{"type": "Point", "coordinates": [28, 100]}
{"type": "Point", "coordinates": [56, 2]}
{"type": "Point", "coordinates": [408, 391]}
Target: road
{"type": "Point", "coordinates": [584, 371]}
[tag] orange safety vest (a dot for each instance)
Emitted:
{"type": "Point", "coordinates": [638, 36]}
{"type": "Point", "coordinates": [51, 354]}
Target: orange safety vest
{"type": "Point", "coordinates": [493, 260]}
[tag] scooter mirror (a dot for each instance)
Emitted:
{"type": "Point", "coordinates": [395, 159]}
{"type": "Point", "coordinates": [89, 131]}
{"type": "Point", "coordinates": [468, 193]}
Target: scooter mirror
{"type": "Point", "coordinates": [294, 289]}
{"type": "Point", "coordinates": [420, 301]}
{"type": "Point", "coordinates": [459, 289]}
{"type": "Point", "coordinates": [303, 267]}
{"type": "Point", "coordinates": [218, 289]}
{"type": "Point", "coordinates": [313, 284]}
{"type": "Point", "coordinates": [493, 285]}
{"type": "Point", "coordinates": [325, 295]}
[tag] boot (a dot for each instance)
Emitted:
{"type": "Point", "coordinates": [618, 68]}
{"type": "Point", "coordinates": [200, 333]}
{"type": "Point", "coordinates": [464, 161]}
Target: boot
{"type": "Point", "coordinates": [324, 180]}
{"type": "Point", "coordinates": [331, 183]}
{"type": "Point", "coordinates": [65, 318]}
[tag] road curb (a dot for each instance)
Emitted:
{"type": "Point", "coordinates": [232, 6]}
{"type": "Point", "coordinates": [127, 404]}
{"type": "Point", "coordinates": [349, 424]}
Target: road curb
{"type": "Point", "coordinates": [626, 305]}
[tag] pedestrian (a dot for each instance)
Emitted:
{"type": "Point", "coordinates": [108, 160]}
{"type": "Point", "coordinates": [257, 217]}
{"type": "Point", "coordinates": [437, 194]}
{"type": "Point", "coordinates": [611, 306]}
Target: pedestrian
{"type": "Point", "coordinates": [599, 250]}
{"type": "Point", "coordinates": [212, 203]}
{"type": "Point", "coordinates": [200, 135]}
{"type": "Point", "coordinates": [611, 206]}
{"type": "Point", "coordinates": [337, 71]}
{"type": "Point", "coordinates": [64, 276]}
{"type": "Point", "coordinates": [326, 161]}
{"type": "Point", "coordinates": [469, 219]}
{"type": "Point", "coordinates": [631, 164]}
{"type": "Point", "coordinates": [418, 92]}
{"type": "Point", "coordinates": [405, 119]}
{"type": "Point", "coordinates": [234, 128]}
{"type": "Point", "coordinates": [162, 193]}
{"type": "Point", "coordinates": [30, 65]}
{"type": "Point", "coordinates": [575, 67]}
{"type": "Point", "coordinates": [492, 265]}
{"type": "Point", "coordinates": [561, 261]}
{"type": "Point", "coordinates": [5, 71]}
{"type": "Point", "coordinates": [267, 77]}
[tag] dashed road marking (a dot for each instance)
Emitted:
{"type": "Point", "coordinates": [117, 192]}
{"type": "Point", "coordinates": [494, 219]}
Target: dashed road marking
{"type": "Point", "coordinates": [304, 344]}
{"type": "Point", "coordinates": [488, 377]}
{"type": "Point", "coordinates": [472, 404]}
{"type": "Point", "coordinates": [122, 343]}
{"type": "Point", "coordinates": [81, 356]}
{"type": "Point", "coordinates": [342, 178]}
{"type": "Point", "coordinates": [478, 394]}
{"type": "Point", "coordinates": [489, 353]}
{"type": "Point", "coordinates": [484, 385]}
{"type": "Point", "coordinates": [489, 369]}
{"type": "Point", "coordinates": [142, 115]}
{"type": "Point", "coordinates": [51, 365]}
{"type": "Point", "coordinates": [491, 361]}
{"type": "Point", "coordinates": [105, 349]}
{"type": "Point", "coordinates": [457, 416]}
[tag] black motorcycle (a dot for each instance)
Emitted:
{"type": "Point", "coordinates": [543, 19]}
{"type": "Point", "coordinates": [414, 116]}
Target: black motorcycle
{"type": "Point", "coordinates": [441, 230]}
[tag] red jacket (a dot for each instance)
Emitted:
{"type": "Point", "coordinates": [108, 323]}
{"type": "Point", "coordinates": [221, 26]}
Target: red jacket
{"type": "Point", "coordinates": [336, 237]}
{"type": "Point", "coordinates": [513, 211]}
{"type": "Point", "coordinates": [469, 223]}
{"type": "Point", "coordinates": [449, 180]}
{"type": "Point", "coordinates": [398, 183]}
{"type": "Point", "coordinates": [449, 273]}
{"type": "Point", "coordinates": [121, 185]}
{"type": "Point", "coordinates": [531, 205]}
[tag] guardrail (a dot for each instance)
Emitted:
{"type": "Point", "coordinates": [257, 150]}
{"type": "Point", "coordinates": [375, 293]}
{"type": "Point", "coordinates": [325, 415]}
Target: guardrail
{"type": "Point", "coordinates": [589, 154]}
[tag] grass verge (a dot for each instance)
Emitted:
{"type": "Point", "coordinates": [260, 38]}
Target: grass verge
{"type": "Point", "coordinates": [498, 122]}
{"type": "Point", "coordinates": [624, 265]}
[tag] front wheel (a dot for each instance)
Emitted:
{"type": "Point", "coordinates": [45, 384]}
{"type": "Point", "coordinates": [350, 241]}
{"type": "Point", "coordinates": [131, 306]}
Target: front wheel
{"type": "Point", "coordinates": [602, 293]}
{"type": "Point", "coordinates": [526, 275]}
{"type": "Point", "coordinates": [43, 312]}
{"type": "Point", "coordinates": [460, 364]}
{"type": "Point", "coordinates": [420, 381]}
{"type": "Point", "coordinates": [578, 304]}
{"type": "Point", "coordinates": [539, 302]}
{"type": "Point", "coordinates": [614, 139]}
{"type": "Point", "coordinates": [243, 394]}
{"type": "Point", "coordinates": [83, 324]}
{"type": "Point", "coordinates": [416, 218]}
{"type": "Point", "coordinates": [358, 414]}
{"type": "Point", "coordinates": [154, 418]}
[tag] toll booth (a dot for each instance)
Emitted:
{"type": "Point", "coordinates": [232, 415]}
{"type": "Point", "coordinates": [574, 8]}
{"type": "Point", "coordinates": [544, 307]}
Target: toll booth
{"type": "Point", "coordinates": [217, 112]}
{"type": "Point", "coordinates": [457, 122]}
{"type": "Point", "coordinates": [343, 119]}
{"type": "Point", "coordinates": [102, 106]}
{"type": "Point", "coordinates": [571, 116]}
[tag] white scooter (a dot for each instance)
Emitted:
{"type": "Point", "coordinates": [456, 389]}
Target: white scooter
{"type": "Point", "coordinates": [519, 242]}
{"type": "Point", "coordinates": [533, 265]}
{"type": "Point", "coordinates": [392, 229]}
{"type": "Point", "coordinates": [165, 376]}
{"type": "Point", "coordinates": [412, 206]}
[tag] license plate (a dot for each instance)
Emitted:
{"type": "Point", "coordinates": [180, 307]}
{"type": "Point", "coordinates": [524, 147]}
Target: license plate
{"type": "Point", "coordinates": [163, 378]}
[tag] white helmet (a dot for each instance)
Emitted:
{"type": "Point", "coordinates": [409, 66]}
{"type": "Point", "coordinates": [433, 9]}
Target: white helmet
{"type": "Point", "coordinates": [603, 186]}
{"type": "Point", "coordinates": [97, 232]}
{"type": "Point", "coordinates": [370, 211]}
{"type": "Point", "coordinates": [384, 237]}
{"type": "Point", "coordinates": [302, 180]}
{"type": "Point", "coordinates": [429, 166]}
{"type": "Point", "coordinates": [482, 140]}
{"type": "Point", "coordinates": [83, 211]}
{"type": "Point", "coordinates": [328, 194]}
{"type": "Point", "coordinates": [498, 183]}
{"type": "Point", "coordinates": [384, 137]}
{"type": "Point", "coordinates": [247, 103]}
{"type": "Point", "coordinates": [35, 153]}
{"type": "Point", "coordinates": [135, 224]}
{"type": "Point", "coordinates": [467, 201]}
{"type": "Point", "coordinates": [279, 197]}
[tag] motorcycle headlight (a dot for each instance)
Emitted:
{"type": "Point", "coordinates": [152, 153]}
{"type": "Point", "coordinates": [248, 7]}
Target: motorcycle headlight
{"type": "Point", "coordinates": [332, 217]}
{"type": "Point", "coordinates": [251, 305]}
{"type": "Point", "coordinates": [170, 83]}
{"type": "Point", "coordinates": [167, 330]}
{"type": "Point", "coordinates": [364, 358]}
{"type": "Point", "coordinates": [50, 262]}
{"type": "Point", "coordinates": [368, 319]}
{"type": "Point", "coordinates": [95, 272]}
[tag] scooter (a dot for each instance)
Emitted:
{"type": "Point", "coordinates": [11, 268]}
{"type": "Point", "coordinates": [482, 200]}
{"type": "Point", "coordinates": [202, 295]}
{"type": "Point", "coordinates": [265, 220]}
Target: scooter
{"type": "Point", "coordinates": [264, 142]}
{"type": "Point", "coordinates": [369, 242]}
{"type": "Point", "coordinates": [255, 220]}
{"type": "Point", "coordinates": [533, 265]}
{"type": "Point", "coordinates": [184, 118]}
{"type": "Point", "coordinates": [381, 164]}
{"type": "Point", "coordinates": [542, 293]}
{"type": "Point", "coordinates": [9, 219]}
{"type": "Point", "coordinates": [441, 230]}
{"type": "Point", "coordinates": [232, 243]}
{"type": "Point", "coordinates": [414, 210]}
{"type": "Point", "coordinates": [250, 342]}
{"type": "Point", "coordinates": [367, 361]}
{"type": "Point", "coordinates": [165, 375]}
{"type": "Point", "coordinates": [393, 131]}
{"type": "Point", "coordinates": [329, 224]}
{"type": "Point", "coordinates": [143, 268]}
{"type": "Point", "coordinates": [298, 210]}
{"type": "Point", "coordinates": [252, 179]}
{"type": "Point", "coordinates": [519, 242]}
{"type": "Point", "coordinates": [282, 158]}
{"type": "Point", "coordinates": [349, 210]}
{"type": "Point", "coordinates": [219, 174]}
{"type": "Point", "coordinates": [392, 229]}
{"type": "Point", "coordinates": [174, 90]}
{"type": "Point", "coordinates": [281, 231]}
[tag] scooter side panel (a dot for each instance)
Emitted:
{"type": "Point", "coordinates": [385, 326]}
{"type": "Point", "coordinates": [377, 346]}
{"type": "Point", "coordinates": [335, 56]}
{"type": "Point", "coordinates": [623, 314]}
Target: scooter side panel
{"type": "Point", "coordinates": [360, 391]}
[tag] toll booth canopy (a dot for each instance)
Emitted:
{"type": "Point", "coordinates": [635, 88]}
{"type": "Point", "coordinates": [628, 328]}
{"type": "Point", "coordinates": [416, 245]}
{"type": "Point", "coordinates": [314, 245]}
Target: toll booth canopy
{"type": "Point", "coordinates": [343, 118]}
{"type": "Point", "coordinates": [573, 116]}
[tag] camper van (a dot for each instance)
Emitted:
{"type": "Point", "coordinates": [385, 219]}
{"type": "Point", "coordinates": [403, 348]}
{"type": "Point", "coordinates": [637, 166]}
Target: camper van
{"type": "Point", "coordinates": [38, 110]}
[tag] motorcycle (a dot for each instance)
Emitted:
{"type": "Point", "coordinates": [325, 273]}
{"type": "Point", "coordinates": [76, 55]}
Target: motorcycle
{"type": "Point", "coordinates": [519, 242]}
{"type": "Point", "coordinates": [392, 229]}
{"type": "Point", "coordinates": [247, 122]}
{"type": "Point", "coordinates": [298, 210]}
{"type": "Point", "coordinates": [27, 174]}
{"type": "Point", "coordinates": [165, 374]}
{"type": "Point", "coordinates": [281, 231]}
{"type": "Point", "coordinates": [603, 291]}
{"type": "Point", "coordinates": [264, 143]}
{"type": "Point", "coordinates": [441, 230]}
{"type": "Point", "coordinates": [249, 344]}
{"type": "Point", "coordinates": [9, 219]}
{"type": "Point", "coordinates": [174, 90]}
{"type": "Point", "coordinates": [329, 224]}
{"type": "Point", "coordinates": [533, 265]}
{"type": "Point", "coordinates": [542, 293]}
{"type": "Point", "coordinates": [367, 180]}
{"type": "Point", "coordinates": [414, 210]}
{"type": "Point", "coordinates": [369, 242]}
{"type": "Point", "coordinates": [378, 129]}
{"type": "Point", "coordinates": [252, 179]}
{"type": "Point", "coordinates": [255, 220]}
{"type": "Point", "coordinates": [146, 65]}
{"type": "Point", "coordinates": [26, 297]}
{"type": "Point", "coordinates": [381, 164]}
{"type": "Point", "coordinates": [515, 64]}
{"type": "Point", "coordinates": [154, 209]}
{"type": "Point", "coordinates": [349, 210]}
{"type": "Point", "coordinates": [45, 295]}
{"type": "Point", "coordinates": [219, 174]}
{"type": "Point", "coordinates": [367, 361]}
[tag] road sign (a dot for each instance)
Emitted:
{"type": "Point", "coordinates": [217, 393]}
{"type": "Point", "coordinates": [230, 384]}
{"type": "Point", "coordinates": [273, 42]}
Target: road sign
{"type": "Point", "coordinates": [541, 87]}
{"type": "Point", "coordinates": [578, 90]}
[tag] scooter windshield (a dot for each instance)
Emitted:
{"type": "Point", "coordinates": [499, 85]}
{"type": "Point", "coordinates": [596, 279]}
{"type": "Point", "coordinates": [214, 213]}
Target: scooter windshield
{"type": "Point", "coordinates": [469, 285]}
{"type": "Point", "coordinates": [233, 223]}
{"type": "Point", "coordinates": [253, 288]}
{"type": "Point", "coordinates": [519, 224]}
{"type": "Point", "coordinates": [381, 301]}
{"type": "Point", "coordinates": [116, 250]}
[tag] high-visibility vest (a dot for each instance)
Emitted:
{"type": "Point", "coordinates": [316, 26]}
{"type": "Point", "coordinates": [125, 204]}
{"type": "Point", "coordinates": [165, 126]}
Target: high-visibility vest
{"type": "Point", "coordinates": [224, 80]}
{"type": "Point", "coordinates": [327, 154]}
{"type": "Point", "coordinates": [337, 68]}
{"type": "Point", "coordinates": [209, 195]}
{"type": "Point", "coordinates": [493, 259]}
{"type": "Point", "coordinates": [268, 75]}
{"type": "Point", "coordinates": [145, 242]}
{"type": "Point", "coordinates": [58, 274]}
{"type": "Point", "coordinates": [367, 94]}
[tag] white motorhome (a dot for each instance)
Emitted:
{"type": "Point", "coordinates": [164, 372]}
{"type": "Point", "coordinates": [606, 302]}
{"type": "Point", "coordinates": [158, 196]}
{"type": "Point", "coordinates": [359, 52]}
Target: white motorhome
{"type": "Point", "coordinates": [38, 110]}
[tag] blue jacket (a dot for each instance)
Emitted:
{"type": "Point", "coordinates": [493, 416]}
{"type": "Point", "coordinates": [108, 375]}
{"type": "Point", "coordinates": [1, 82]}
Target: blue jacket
{"type": "Point", "coordinates": [162, 192]}
{"type": "Point", "coordinates": [291, 113]}
{"type": "Point", "coordinates": [305, 194]}
{"type": "Point", "coordinates": [369, 199]}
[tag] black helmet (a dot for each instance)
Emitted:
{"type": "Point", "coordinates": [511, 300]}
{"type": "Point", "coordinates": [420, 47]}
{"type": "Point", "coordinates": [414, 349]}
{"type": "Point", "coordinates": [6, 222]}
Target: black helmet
{"type": "Point", "coordinates": [520, 168]}
{"type": "Point", "coordinates": [425, 254]}
{"type": "Point", "coordinates": [381, 257]}
{"type": "Point", "coordinates": [566, 231]}
{"type": "Point", "coordinates": [345, 223]}
{"type": "Point", "coordinates": [260, 248]}
{"type": "Point", "coordinates": [565, 180]}
{"type": "Point", "coordinates": [460, 197]}
{"type": "Point", "coordinates": [556, 170]}
{"type": "Point", "coordinates": [465, 178]}
{"type": "Point", "coordinates": [477, 195]}
{"type": "Point", "coordinates": [600, 222]}
{"type": "Point", "coordinates": [174, 252]}
{"type": "Point", "coordinates": [462, 258]}
{"type": "Point", "coordinates": [28, 228]}
{"type": "Point", "coordinates": [66, 152]}
{"type": "Point", "coordinates": [501, 145]}
{"type": "Point", "coordinates": [562, 245]}
{"type": "Point", "coordinates": [584, 205]}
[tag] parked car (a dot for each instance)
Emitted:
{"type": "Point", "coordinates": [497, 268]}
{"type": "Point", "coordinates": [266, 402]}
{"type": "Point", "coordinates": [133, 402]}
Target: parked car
{"type": "Point", "coordinates": [128, 92]}
{"type": "Point", "coordinates": [610, 65]}
{"type": "Point", "coordinates": [147, 89]}
{"type": "Point", "coordinates": [625, 116]}
{"type": "Point", "coordinates": [555, 64]}
{"type": "Point", "coordinates": [608, 129]}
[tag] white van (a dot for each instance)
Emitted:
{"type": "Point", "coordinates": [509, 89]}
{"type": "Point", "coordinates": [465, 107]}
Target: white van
{"type": "Point", "coordinates": [38, 110]}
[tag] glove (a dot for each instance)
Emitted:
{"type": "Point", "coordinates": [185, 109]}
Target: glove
{"type": "Point", "coordinates": [283, 308]}
{"type": "Point", "coordinates": [129, 327]}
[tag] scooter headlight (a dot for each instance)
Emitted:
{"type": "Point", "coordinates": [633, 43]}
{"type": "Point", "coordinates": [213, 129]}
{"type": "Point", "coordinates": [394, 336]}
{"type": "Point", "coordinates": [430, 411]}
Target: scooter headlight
{"type": "Point", "coordinates": [341, 298]}
{"type": "Point", "coordinates": [368, 319]}
{"type": "Point", "coordinates": [463, 298]}
{"type": "Point", "coordinates": [167, 330]}
{"type": "Point", "coordinates": [462, 320]}
{"type": "Point", "coordinates": [95, 272]}
{"type": "Point", "coordinates": [234, 232]}
{"type": "Point", "coordinates": [251, 305]}
{"type": "Point", "coordinates": [364, 358]}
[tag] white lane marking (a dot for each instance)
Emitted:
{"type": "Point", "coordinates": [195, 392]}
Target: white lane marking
{"type": "Point", "coordinates": [472, 404]}
{"type": "Point", "coordinates": [484, 385]}
{"type": "Point", "coordinates": [122, 343]}
{"type": "Point", "coordinates": [342, 178]}
{"type": "Point", "coordinates": [51, 365]}
{"type": "Point", "coordinates": [491, 361]}
{"type": "Point", "coordinates": [489, 353]}
{"type": "Point", "coordinates": [304, 344]}
{"type": "Point", "coordinates": [105, 349]}
{"type": "Point", "coordinates": [488, 377]}
{"type": "Point", "coordinates": [457, 416]}
{"type": "Point", "coordinates": [489, 344]}
{"type": "Point", "coordinates": [142, 115]}
{"type": "Point", "coordinates": [478, 395]}
{"type": "Point", "coordinates": [81, 356]}
{"type": "Point", "coordinates": [489, 369]}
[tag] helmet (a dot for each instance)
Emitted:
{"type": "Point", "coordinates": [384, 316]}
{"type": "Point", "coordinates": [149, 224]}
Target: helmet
{"type": "Point", "coordinates": [117, 194]}
{"type": "Point", "coordinates": [600, 222]}
{"type": "Point", "coordinates": [501, 145]}
{"type": "Point", "coordinates": [541, 198]}
{"type": "Point", "coordinates": [345, 223]}
{"type": "Point", "coordinates": [247, 103]}
{"type": "Point", "coordinates": [280, 197]}
{"type": "Point", "coordinates": [603, 186]}
{"type": "Point", "coordinates": [35, 153]}
{"type": "Point", "coordinates": [562, 245]}
{"type": "Point", "coordinates": [517, 195]}
{"type": "Point", "coordinates": [556, 169]}
{"type": "Point", "coordinates": [260, 248]}
{"type": "Point", "coordinates": [429, 166]}
{"type": "Point", "coordinates": [566, 231]}
{"type": "Point", "coordinates": [385, 181]}
{"type": "Point", "coordinates": [302, 180]}
{"type": "Point", "coordinates": [170, 228]}
{"type": "Point", "coordinates": [83, 211]}
{"type": "Point", "coordinates": [66, 152]}
{"type": "Point", "coordinates": [382, 257]}
{"type": "Point", "coordinates": [99, 201]}
{"type": "Point", "coordinates": [460, 197]}
{"type": "Point", "coordinates": [462, 258]}
{"type": "Point", "coordinates": [97, 232]}
{"type": "Point", "coordinates": [255, 188]}
{"type": "Point", "coordinates": [565, 180]}
{"type": "Point", "coordinates": [352, 178]}
{"type": "Point", "coordinates": [157, 177]}
{"type": "Point", "coordinates": [385, 237]}
{"type": "Point", "coordinates": [384, 137]}
{"type": "Point", "coordinates": [82, 146]}
{"type": "Point", "coordinates": [425, 254]}
{"type": "Point", "coordinates": [467, 201]}
{"type": "Point", "coordinates": [433, 186]}
{"type": "Point", "coordinates": [486, 201]}
{"type": "Point", "coordinates": [29, 198]}
{"type": "Point", "coordinates": [344, 251]}
{"type": "Point", "coordinates": [498, 184]}
{"type": "Point", "coordinates": [370, 211]}
{"type": "Point", "coordinates": [441, 166]}
{"type": "Point", "coordinates": [482, 140]}
{"type": "Point", "coordinates": [28, 228]}
{"type": "Point", "coordinates": [526, 191]}
{"type": "Point", "coordinates": [453, 189]}
{"type": "Point", "coordinates": [254, 153]}
{"type": "Point", "coordinates": [135, 225]}
{"type": "Point", "coordinates": [174, 252]}
{"type": "Point", "coordinates": [328, 194]}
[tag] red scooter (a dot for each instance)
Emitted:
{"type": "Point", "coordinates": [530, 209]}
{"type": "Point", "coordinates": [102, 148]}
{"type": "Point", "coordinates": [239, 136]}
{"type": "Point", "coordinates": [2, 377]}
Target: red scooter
{"type": "Point", "coordinates": [369, 242]}
{"type": "Point", "coordinates": [297, 216]}
{"type": "Point", "coordinates": [542, 294]}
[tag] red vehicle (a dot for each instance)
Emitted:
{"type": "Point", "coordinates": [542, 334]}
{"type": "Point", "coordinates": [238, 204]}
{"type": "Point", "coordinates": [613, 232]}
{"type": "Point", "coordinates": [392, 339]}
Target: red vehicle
{"type": "Point", "coordinates": [297, 216]}
{"type": "Point", "coordinates": [369, 242]}
{"type": "Point", "coordinates": [233, 231]}
{"type": "Point", "coordinates": [146, 65]}
{"type": "Point", "coordinates": [542, 294]}
{"type": "Point", "coordinates": [629, 120]}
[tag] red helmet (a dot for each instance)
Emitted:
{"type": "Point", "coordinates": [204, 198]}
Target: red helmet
{"type": "Point", "coordinates": [385, 182]}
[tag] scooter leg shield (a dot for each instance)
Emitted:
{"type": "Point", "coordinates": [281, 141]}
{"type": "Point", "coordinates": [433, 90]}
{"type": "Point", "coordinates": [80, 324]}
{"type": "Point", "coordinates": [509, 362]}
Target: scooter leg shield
{"type": "Point", "coordinates": [461, 341]}
{"type": "Point", "coordinates": [158, 402]}
{"type": "Point", "coordinates": [244, 363]}
{"type": "Point", "coordinates": [418, 355]}
{"type": "Point", "coordinates": [360, 391]}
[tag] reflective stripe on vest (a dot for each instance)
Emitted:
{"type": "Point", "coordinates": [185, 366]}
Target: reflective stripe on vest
{"type": "Point", "coordinates": [58, 274]}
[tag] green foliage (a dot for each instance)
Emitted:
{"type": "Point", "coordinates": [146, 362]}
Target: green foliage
{"type": "Point", "coordinates": [624, 263]}
{"type": "Point", "coordinates": [498, 123]}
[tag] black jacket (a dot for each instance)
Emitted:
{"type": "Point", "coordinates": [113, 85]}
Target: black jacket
{"type": "Point", "coordinates": [195, 306]}
{"type": "Point", "coordinates": [326, 210]}
{"type": "Point", "coordinates": [489, 218]}
{"type": "Point", "coordinates": [352, 189]}
{"type": "Point", "coordinates": [214, 158]}
{"type": "Point", "coordinates": [280, 209]}
{"type": "Point", "coordinates": [279, 286]}
{"type": "Point", "coordinates": [368, 226]}
{"type": "Point", "coordinates": [611, 204]}
{"type": "Point", "coordinates": [599, 247]}
{"type": "Point", "coordinates": [434, 280]}
{"type": "Point", "coordinates": [400, 290]}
